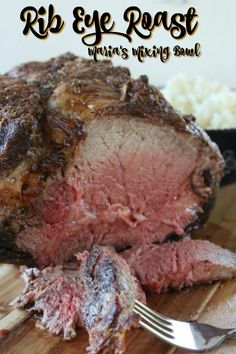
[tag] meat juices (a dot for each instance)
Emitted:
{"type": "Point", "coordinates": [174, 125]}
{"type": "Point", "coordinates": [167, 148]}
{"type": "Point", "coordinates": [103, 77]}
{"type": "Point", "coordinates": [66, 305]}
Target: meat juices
{"type": "Point", "coordinates": [109, 162]}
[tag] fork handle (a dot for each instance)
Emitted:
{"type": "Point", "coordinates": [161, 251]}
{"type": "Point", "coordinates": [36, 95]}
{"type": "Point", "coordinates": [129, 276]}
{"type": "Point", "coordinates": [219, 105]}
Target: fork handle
{"type": "Point", "coordinates": [231, 333]}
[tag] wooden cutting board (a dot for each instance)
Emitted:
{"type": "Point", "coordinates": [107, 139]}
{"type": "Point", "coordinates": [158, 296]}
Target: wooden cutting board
{"type": "Point", "coordinates": [214, 304]}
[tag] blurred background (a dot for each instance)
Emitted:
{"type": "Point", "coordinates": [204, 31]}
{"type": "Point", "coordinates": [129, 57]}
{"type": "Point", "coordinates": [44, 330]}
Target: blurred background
{"type": "Point", "coordinates": [216, 34]}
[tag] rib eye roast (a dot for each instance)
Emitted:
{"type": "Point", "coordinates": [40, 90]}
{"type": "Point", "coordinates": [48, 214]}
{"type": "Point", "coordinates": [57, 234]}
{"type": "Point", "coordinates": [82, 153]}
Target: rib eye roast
{"type": "Point", "coordinates": [93, 162]}
{"type": "Point", "coordinates": [90, 156]}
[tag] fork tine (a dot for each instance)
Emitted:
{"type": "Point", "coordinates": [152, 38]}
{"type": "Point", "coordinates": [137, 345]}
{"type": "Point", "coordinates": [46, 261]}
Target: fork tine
{"type": "Point", "coordinates": [158, 332]}
{"type": "Point", "coordinates": [150, 320]}
{"type": "Point", "coordinates": [198, 337]}
{"type": "Point", "coordinates": [147, 310]}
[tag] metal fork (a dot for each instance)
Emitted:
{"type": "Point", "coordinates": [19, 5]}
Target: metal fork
{"type": "Point", "coordinates": [188, 335]}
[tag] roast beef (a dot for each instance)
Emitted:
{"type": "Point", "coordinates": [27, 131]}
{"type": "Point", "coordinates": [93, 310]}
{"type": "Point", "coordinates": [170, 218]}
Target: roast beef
{"type": "Point", "coordinates": [180, 264]}
{"type": "Point", "coordinates": [98, 294]}
{"type": "Point", "coordinates": [106, 161]}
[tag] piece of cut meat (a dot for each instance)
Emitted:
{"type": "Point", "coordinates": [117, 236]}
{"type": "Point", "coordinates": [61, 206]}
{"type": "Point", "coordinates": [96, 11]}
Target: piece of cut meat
{"type": "Point", "coordinates": [109, 294]}
{"type": "Point", "coordinates": [97, 293]}
{"type": "Point", "coordinates": [54, 294]}
{"type": "Point", "coordinates": [117, 165]}
{"type": "Point", "coordinates": [180, 264]}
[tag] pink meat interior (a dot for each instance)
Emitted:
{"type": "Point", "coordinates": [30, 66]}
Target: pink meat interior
{"type": "Point", "coordinates": [130, 183]}
{"type": "Point", "coordinates": [179, 264]}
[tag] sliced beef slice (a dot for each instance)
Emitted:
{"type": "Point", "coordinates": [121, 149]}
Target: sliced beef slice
{"type": "Point", "coordinates": [98, 295]}
{"type": "Point", "coordinates": [180, 264]}
{"type": "Point", "coordinates": [131, 169]}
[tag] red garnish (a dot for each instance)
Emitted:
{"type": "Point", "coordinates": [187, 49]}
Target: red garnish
{"type": "Point", "coordinates": [4, 332]}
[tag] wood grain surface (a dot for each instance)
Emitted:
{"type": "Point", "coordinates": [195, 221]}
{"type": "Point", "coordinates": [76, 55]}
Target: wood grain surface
{"type": "Point", "coordinates": [214, 304]}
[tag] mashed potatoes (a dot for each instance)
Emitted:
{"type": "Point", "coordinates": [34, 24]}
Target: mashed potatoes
{"type": "Point", "coordinates": [213, 105]}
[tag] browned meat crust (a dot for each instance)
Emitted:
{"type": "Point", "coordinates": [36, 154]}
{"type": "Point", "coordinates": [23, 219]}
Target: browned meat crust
{"type": "Point", "coordinates": [33, 142]}
{"type": "Point", "coordinates": [69, 68]}
{"type": "Point", "coordinates": [20, 112]}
